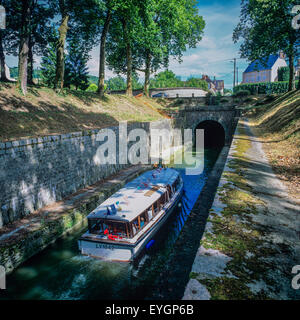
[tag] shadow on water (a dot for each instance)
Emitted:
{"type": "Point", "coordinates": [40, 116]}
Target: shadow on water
{"type": "Point", "coordinates": [60, 272]}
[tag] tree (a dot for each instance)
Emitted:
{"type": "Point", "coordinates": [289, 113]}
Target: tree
{"type": "Point", "coordinates": [283, 74]}
{"type": "Point", "coordinates": [116, 83]}
{"type": "Point", "coordinates": [10, 35]}
{"type": "Point", "coordinates": [197, 83]}
{"type": "Point", "coordinates": [166, 79]}
{"type": "Point", "coordinates": [168, 28]}
{"type": "Point", "coordinates": [110, 7]}
{"type": "Point", "coordinates": [48, 65]}
{"type": "Point", "coordinates": [76, 66]}
{"type": "Point", "coordinates": [79, 19]}
{"type": "Point", "coordinates": [266, 28]}
{"type": "Point", "coordinates": [24, 45]}
{"type": "Point", "coordinates": [38, 34]}
{"type": "Point", "coordinates": [122, 54]}
{"type": "Point", "coordinates": [60, 58]}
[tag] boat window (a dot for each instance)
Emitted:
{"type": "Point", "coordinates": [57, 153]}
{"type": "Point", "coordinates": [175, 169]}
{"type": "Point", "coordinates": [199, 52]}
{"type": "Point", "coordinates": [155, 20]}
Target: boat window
{"type": "Point", "coordinates": [135, 227]}
{"type": "Point", "coordinates": [162, 200]}
{"type": "Point", "coordinates": [150, 214]}
{"type": "Point", "coordinates": [104, 226]}
{"type": "Point", "coordinates": [95, 226]}
{"type": "Point", "coordinates": [144, 219]}
{"type": "Point", "coordinates": [169, 191]}
{"type": "Point", "coordinates": [175, 185]}
{"type": "Point", "coordinates": [155, 208]}
{"type": "Point", "coordinates": [117, 229]}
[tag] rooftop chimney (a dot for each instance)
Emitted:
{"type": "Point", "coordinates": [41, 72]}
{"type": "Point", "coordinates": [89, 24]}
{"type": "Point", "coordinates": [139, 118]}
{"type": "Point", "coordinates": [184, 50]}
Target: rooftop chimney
{"type": "Point", "coordinates": [282, 55]}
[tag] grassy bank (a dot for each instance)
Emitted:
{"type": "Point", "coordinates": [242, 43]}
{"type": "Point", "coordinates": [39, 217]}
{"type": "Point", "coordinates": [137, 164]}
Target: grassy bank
{"type": "Point", "coordinates": [250, 243]}
{"type": "Point", "coordinates": [44, 112]}
{"type": "Point", "coordinates": [277, 124]}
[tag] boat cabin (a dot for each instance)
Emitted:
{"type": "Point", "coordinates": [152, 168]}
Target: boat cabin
{"type": "Point", "coordinates": [129, 210]}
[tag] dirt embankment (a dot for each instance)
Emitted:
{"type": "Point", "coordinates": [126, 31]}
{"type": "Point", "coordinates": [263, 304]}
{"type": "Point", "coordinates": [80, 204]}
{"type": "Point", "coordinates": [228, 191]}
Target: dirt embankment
{"type": "Point", "coordinates": [277, 124]}
{"type": "Point", "coordinates": [44, 112]}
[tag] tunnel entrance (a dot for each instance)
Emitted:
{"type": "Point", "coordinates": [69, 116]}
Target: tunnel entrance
{"type": "Point", "coordinates": [214, 134]}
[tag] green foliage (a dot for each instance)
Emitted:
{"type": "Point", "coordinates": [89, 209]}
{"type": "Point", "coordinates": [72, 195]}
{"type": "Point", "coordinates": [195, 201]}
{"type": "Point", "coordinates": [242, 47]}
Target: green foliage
{"type": "Point", "coordinates": [116, 83]}
{"type": "Point", "coordinates": [266, 28]}
{"type": "Point", "coordinates": [14, 72]}
{"type": "Point", "coordinates": [48, 65]}
{"type": "Point", "coordinates": [196, 83]}
{"type": "Point", "coordinates": [92, 88]}
{"type": "Point", "coordinates": [76, 72]}
{"type": "Point", "coordinates": [242, 93]}
{"type": "Point", "coordinates": [283, 74]}
{"type": "Point", "coordinates": [227, 92]}
{"type": "Point", "coordinates": [145, 34]}
{"type": "Point", "coordinates": [93, 79]}
{"type": "Point", "coordinates": [136, 82]}
{"type": "Point", "coordinates": [166, 79]}
{"type": "Point", "coordinates": [264, 87]}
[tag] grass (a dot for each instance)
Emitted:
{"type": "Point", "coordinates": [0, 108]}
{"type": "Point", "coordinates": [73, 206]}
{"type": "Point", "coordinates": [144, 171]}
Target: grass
{"type": "Point", "coordinates": [44, 112]}
{"type": "Point", "coordinates": [234, 233]}
{"type": "Point", "coordinates": [277, 124]}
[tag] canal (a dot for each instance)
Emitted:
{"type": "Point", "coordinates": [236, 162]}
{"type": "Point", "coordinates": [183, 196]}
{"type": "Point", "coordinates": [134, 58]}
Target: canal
{"type": "Point", "coordinates": [60, 272]}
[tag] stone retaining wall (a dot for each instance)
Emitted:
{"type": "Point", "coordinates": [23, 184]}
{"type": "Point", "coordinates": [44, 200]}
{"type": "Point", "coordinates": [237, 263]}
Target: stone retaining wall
{"type": "Point", "coordinates": [40, 171]}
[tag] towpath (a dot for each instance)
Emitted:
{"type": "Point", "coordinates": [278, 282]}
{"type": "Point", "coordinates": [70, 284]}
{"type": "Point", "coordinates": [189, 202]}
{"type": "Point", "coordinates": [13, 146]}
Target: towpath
{"type": "Point", "coordinates": [251, 241]}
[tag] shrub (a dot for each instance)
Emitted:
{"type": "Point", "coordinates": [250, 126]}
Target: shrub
{"type": "Point", "coordinates": [283, 74]}
{"type": "Point", "coordinates": [248, 100]}
{"type": "Point", "coordinates": [264, 87]}
{"type": "Point", "coordinates": [92, 88]}
{"type": "Point", "coordinates": [242, 93]}
{"type": "Point", "coordinates": [224, 101]}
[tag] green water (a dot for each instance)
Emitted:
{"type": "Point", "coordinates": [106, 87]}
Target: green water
{"type": "Point", "coordinates": [60, 272]}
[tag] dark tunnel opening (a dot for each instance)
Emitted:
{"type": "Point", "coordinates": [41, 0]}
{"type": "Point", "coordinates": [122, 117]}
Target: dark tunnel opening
{"type": "Point", "coordinates": [214, 134]}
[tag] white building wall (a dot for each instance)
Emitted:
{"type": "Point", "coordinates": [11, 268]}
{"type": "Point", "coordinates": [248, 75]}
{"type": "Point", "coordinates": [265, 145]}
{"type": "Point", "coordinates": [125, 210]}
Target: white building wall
{"type": "Point", "coordinates": [257, 76]}
{"type": "Point", "coordinates": [278, 64]}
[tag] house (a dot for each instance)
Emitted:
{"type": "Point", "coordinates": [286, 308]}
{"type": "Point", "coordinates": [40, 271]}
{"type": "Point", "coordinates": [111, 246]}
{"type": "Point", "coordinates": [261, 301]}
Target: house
{"type": "Point", "coordinates": [214, 85]}
{"type": "Point", "coordinates": [264, 71]}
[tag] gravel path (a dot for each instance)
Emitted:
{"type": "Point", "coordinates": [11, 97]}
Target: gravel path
{"type": "Point", "coordinates": [251, 242]}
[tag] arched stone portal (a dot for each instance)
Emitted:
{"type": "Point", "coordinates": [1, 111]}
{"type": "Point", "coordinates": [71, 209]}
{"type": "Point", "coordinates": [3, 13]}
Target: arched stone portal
{"type": "Point", "coordinates": [214, 133]}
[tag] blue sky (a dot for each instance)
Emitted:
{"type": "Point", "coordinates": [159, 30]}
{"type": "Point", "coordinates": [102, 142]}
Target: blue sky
{"type": "Point", "coordinates": [212, 55]}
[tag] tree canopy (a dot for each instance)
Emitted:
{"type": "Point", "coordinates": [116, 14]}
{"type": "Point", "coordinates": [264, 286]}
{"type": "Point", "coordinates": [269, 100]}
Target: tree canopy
{"type": "Point", "coordinates": [134, 36]}
{"type": "Point", "coordinates": [266, 28]}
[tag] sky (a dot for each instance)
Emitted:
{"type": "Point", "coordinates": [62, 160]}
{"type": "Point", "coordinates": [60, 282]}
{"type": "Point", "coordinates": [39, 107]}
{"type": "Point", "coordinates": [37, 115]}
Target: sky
{"type": "Point", "coordinates": [212, 56]}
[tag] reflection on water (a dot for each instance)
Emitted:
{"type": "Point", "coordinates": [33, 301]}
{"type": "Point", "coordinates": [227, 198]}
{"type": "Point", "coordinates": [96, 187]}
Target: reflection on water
{"type": "Point", "coordinates": [60, 272]}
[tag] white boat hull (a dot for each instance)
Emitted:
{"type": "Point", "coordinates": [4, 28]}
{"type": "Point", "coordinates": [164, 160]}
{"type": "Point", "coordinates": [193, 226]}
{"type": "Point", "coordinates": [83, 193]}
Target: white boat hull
{"type": "Point", "coordinates": [116, 251]}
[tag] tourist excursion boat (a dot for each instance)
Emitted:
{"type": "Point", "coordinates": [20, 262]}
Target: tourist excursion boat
{"type": "Point", "coordinates": [127, 221]}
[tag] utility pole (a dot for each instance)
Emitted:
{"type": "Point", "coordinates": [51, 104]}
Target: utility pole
{"type": "Point", "coordinates": [234, 71]}
{"type": "Point", "coordinates": [237, 75]}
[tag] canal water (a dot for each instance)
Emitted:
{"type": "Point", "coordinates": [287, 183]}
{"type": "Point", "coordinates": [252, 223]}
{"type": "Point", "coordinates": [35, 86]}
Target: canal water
{"type": "Point", "coordinates": [60, 272]}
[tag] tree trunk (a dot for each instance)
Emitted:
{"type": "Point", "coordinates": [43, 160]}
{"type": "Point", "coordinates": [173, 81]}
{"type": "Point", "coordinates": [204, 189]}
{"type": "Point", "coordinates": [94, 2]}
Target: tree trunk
{"type": "Point", "coordinates": [129, 70]}
{"type": "Point", "coordinates": [30, 63]}
{"type": "Point", "coordinates": [147, 75]}
{"type": "Point", "coordinates": [102, 54]}
{"type": "Point", "coordinates": [2, 61]}
{"type": "Point", "coordinates": [128, 59]}
{"type": "Point", "coordinates": [24, 44]}
{"type": "Point", "coordinates": [60, 56]}
{"type": "Point", "coordinates": [291, 78]}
